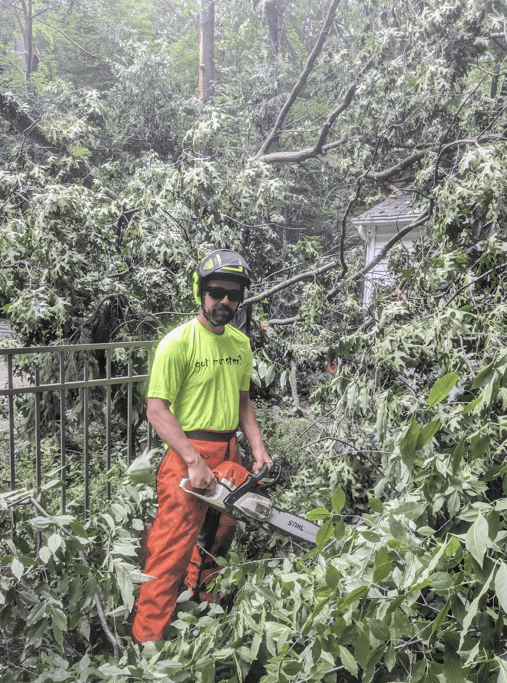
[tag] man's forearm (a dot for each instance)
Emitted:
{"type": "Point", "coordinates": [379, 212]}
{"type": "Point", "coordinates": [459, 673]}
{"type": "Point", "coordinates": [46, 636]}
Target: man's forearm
{"type": "Point", "coordinates": [170, 431]}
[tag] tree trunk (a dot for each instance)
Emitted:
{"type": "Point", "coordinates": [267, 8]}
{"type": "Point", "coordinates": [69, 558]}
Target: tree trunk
{"type": "Point", "coordinates": [207, 52]}
{"type": "Point", "coordinates": [274, 18]}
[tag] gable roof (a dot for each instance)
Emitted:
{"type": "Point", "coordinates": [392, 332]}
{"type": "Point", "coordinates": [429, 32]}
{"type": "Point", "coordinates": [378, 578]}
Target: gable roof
{"type": "Point", "coordinates": [397, 208]}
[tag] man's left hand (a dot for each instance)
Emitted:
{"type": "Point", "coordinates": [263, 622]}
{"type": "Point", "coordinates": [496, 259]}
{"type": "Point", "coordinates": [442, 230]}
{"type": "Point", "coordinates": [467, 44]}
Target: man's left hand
{"type": "Point", "coordinates": [261, 458]}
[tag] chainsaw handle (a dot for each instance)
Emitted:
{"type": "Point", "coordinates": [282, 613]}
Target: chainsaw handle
{"type": "Point", "coordinates": [251, 482]}
{"type": "Point", "coordinates": [275, 472]}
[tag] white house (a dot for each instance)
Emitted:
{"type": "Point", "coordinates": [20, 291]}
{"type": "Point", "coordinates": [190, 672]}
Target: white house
{"type": "Point", "coordinates": [376, 227]}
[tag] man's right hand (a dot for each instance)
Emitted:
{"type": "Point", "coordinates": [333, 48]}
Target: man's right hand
{"type": "Point", "coordinates": [200, 475]}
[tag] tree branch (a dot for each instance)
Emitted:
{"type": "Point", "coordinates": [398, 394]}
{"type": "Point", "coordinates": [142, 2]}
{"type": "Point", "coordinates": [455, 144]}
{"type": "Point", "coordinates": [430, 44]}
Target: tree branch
{"type": "Point", "coordinates": [473, 282]}
{"type": "Point", "coordinates": [307, 275]}
{"type": "Point", "coordinates": [24, 124]}
{"type": "Point", "coordinates": [382, 176]}
{"type": "Point", "coordinates": [301, 81]}
{"type": "Point", "coordinates": [283, 321]}
{"type": "Point", "coordinates": [351, 203]}
{"type": "Point", "coordinates": [89, 54]}
{"type": "Point", "coordinates": [319, 147]}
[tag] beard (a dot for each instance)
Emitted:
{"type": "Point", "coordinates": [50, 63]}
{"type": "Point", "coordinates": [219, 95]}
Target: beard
{"type": "Point", "coordinates": [218, 315]}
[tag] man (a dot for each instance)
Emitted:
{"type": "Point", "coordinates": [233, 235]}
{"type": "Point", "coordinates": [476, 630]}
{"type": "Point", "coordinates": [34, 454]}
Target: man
{"type": "Point", "coordinates": [198, 396]}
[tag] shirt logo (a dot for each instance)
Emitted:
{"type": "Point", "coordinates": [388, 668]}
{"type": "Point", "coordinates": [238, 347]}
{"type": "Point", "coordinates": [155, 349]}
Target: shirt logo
{"type": "Point", "coordinates": [214, 362]}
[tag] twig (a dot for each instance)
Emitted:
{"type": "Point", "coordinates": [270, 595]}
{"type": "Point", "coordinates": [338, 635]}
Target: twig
{"type": "Point", "coordinates": [488, 272]}
{"type": "Point", "coordinates": [13, 65]}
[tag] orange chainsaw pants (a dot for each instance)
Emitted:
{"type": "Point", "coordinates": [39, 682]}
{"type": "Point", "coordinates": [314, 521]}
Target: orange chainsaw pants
{"type": "Point", "coordinates": [172, 547]}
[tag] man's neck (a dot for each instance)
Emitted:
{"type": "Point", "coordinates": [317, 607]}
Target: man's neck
{"type": "Point", "coordinates": [208, 326]}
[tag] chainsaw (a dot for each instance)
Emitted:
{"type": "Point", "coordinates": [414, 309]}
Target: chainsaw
{"type": "Point", "coordinates": [243, 495]}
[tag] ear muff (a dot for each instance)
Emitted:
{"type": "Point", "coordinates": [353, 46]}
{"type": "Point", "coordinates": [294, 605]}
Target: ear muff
{"type": "Point", "coordinates": [195, 289]}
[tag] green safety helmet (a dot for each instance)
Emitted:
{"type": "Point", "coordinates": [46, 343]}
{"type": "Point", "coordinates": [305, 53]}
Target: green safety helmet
{"type": "Point", "coordinates": [221, 264]}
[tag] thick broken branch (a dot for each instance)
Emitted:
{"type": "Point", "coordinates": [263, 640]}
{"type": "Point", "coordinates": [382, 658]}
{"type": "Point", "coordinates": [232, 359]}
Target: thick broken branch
{"type": "Point", "coordinates": [277, 128]}
{"type": "Point", "coordinates": [382, 176]}
{"type": "Point", "coordinates": [319, 147]}
{"type": "Point", "coordinates": [307, 275]}
{"type": "Point", "coordinates": [25, 124]}
{"type": "Point", "coordinates": [284, 321]}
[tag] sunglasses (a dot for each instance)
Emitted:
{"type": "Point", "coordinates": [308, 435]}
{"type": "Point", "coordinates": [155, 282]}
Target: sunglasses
{"type": "Point", "coordinates": [220, 293]}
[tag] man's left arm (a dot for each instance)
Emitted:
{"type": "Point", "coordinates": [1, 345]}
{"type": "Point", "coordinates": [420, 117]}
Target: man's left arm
{"type": "Point", "coordinates": [250, 428]}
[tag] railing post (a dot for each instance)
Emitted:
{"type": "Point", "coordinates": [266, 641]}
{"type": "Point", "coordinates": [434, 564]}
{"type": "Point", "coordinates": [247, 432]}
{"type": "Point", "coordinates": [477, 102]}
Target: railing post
{"type": "Point", "coordinates": [108, 421]}
{"type": "Point", "coordinates": [12, 445]}
{"type": "Point", "coordinates": [63, 443]}
{"type": "Point", "coordinates": [130, 445]}
{"type": "Point", "coordinates": [38, 475]}
{"type": "Point", "coordinates": [86, 457]}
{"type": "Point", "coordinates": [148, 425]}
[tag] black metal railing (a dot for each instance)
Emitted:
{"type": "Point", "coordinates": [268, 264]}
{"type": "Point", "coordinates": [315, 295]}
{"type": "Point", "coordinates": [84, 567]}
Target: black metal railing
{"type": "Point", "coordinates": [71, 378]}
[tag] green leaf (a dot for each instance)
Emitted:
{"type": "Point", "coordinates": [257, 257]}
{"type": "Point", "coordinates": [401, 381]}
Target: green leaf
{"type": "Point", "coordinates": [474, 606]}
{"type": "Point", "coordinates": [317, 513]}
{"type": "Point", "coordinates": [370, 536]}
{"type": "Point", "coordinates": [427, 433]}
{"type": "Point", "coordinates": [45, 554]}
{"type": "Point", "coordinates": [457, 455]}
{"type": "Point", "coordinates": [324, 533]}
{"type": "Point", "coordinates": [338, 500]}
{"type": "Point", "coordinates": [408, 443]}
{"type": "Point", "coordinates": [473, 404]}
{"type": "Point", "coordinates": [453, 669]}
{"type": "Point", "coordinates": [376, 505]}
{"type": "Point", "coordinates": [379, 630]}
{"type": "Point", "coordinates": [348, 660]}
{"type": "Point", "coordinates": [442, 388]}
{"type": "Point", "coordinates": [495, 472]}
{"type": "Point", "coordinates": [382, 571]}
{"type": "Point", "coordinates": [439, 620]}
{"type": "Point", "coordinates": [501, 585]}
{"type": "Point", "coordinates": [17, 568]}
{"type": "Point", "coordinates": [477, 539]}
{"type": "Point", "coordinates": [78, 529]}
{"type": "Point", "coordinates": [480, 445]}
{"type": "Point", "coordinates": [483, 377]}
{"type": "Point", "coordinates": [54, 542]}
{"type": "Point", "coordinates": [332, 577]}
{"type": "Point", "coordinates": [452, 547]}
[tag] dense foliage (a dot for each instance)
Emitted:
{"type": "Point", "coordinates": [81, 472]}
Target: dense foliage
{"type": "Point", "coordinates": [400, 454]}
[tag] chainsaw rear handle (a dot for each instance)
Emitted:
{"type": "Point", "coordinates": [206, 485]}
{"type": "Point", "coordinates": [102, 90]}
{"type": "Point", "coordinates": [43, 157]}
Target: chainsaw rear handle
{"type": "Point", "coordinates": [251, 482]}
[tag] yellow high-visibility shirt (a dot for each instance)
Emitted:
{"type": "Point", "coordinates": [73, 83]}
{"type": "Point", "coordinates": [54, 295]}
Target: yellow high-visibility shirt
{"type": "Point", "coordinates": [201, 374]}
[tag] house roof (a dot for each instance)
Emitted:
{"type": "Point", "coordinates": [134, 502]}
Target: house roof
{"type": "Point", "coordinates": [397, 208]}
